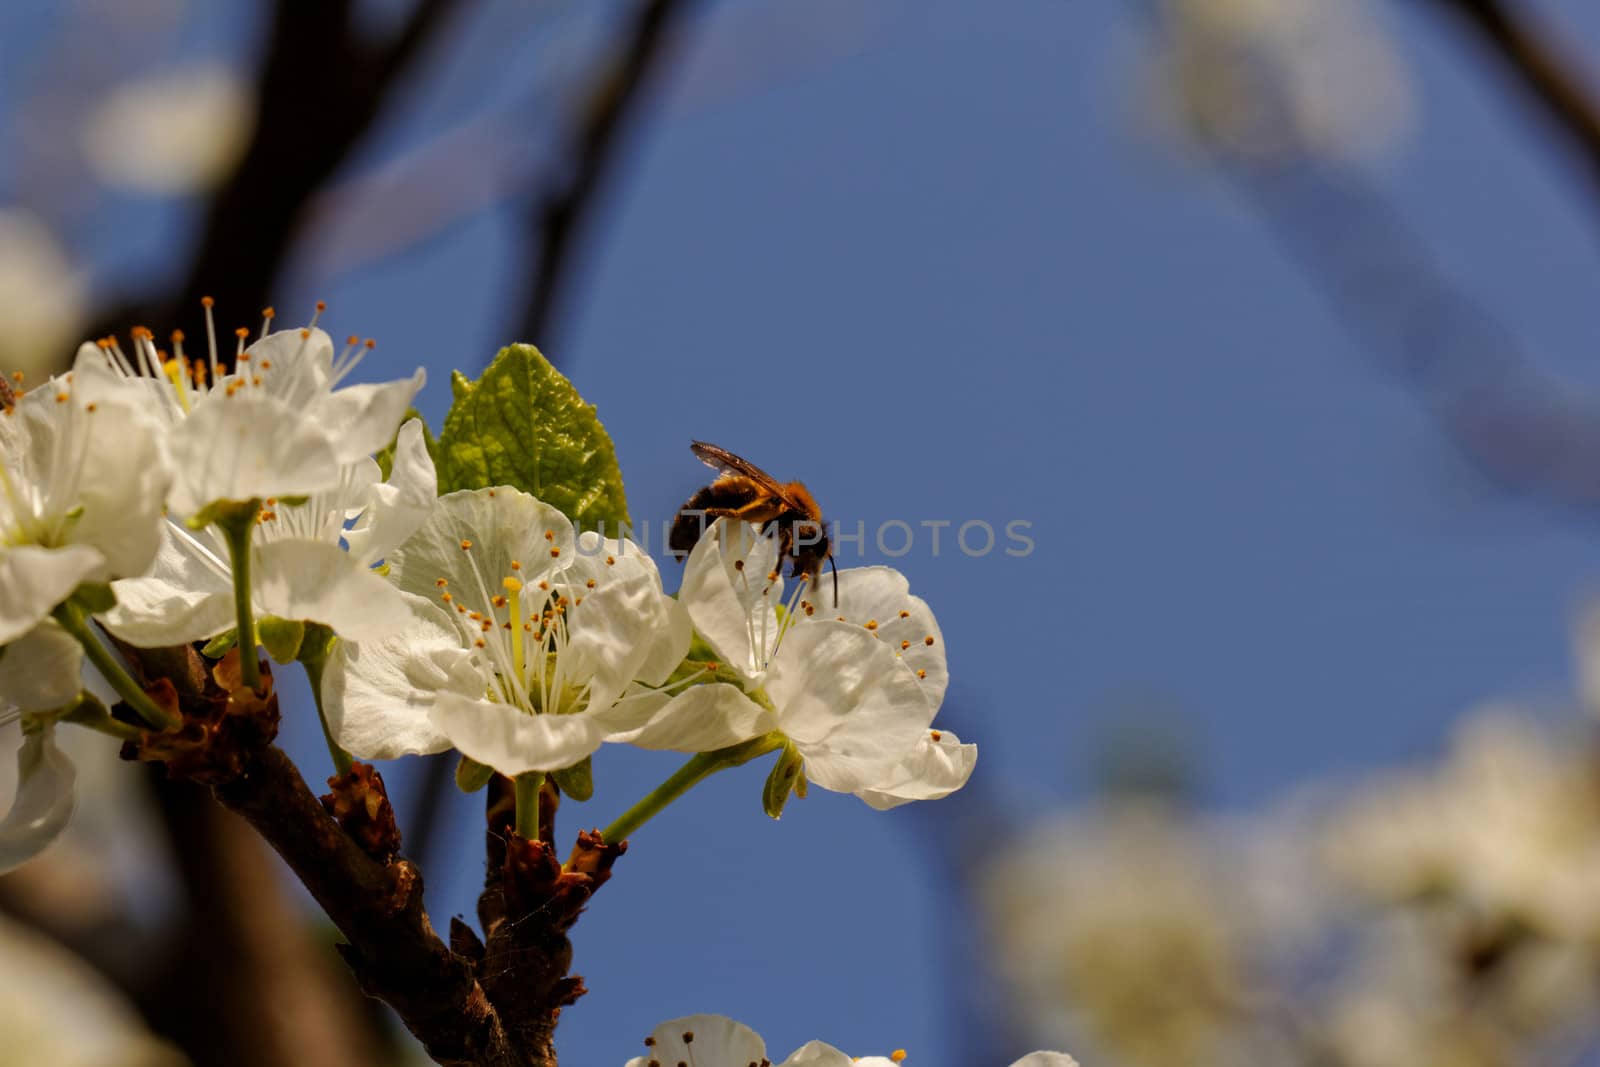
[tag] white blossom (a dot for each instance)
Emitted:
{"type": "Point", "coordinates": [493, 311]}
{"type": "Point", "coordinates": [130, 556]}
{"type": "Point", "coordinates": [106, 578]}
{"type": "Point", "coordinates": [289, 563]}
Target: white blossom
{"type": "Point", "coordinates": [82, 478]}
{"type": "Point", "coordinates": [280, 424]}
{"type": "Point", "coordinates": [854, 684]}
{"type": "Point", "coordinates": [522, 641]}
{"type": "Point", "coordinates": [311, 561]}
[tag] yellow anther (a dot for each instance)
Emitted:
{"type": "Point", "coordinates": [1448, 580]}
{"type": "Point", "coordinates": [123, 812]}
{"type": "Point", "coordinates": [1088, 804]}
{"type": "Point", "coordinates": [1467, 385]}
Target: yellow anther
{"type": "Point", "coordinates": [465, 544]}
{"type": "Point", "coordinates": [928, 640]}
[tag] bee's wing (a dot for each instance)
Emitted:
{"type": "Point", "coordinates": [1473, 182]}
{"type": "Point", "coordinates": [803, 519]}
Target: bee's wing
{"type": "Point", "coordinates": [723, 460]}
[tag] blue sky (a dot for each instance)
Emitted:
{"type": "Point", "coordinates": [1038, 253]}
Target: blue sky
{"type": "Point", "coordinates": [923, 261]}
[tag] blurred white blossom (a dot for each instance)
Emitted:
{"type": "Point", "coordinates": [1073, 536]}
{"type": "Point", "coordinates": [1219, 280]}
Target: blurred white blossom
{"type": "Point", "coordinates": [1275, 78]}
{"type": "Point", "coordinates": [42, 301]}
{"type": "Point", "coordinates": [178, 131]}
{"type": "Point", "coordinates": [1509, 826]}
{"type": "Point", "coordinates": [1135, 933]}
{"type": "Point", "coordinates": [56, 1010]}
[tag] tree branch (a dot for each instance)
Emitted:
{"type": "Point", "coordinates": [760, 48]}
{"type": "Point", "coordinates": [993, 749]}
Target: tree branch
{"type": "Point", "coordinates": [475, 1003]}
{"type": "Point", "coordinates": [319, 90]}
{"type": "Point", "coordinates": [1550, 80]}
{"type": "Point", "coordinates": [556, 219]}
{"type": "Point", "coordinates": [378, 906]}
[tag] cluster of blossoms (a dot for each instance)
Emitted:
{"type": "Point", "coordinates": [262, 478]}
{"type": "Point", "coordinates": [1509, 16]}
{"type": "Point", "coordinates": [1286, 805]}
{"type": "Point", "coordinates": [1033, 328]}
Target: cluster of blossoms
{"type": "Point", "coordinates": [717, 1041]}
{"type": "Point", "coordinates": [1445, 915]}
{"type": "Point", "coordinates": [170, 500]}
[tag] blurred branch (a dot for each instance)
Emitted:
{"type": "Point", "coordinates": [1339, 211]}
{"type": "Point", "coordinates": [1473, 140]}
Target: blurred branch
{"type": "Point", "coordinates": [1551, 81]}
{"type": "Point", "coordinates": [557, 218]}
{"type": "Point", "coordinates": [1521, 429]}
{"type": "Point", "coordinates": [248, 987]}
{"type": "Point", "coordinates": [320, 88]}
{"type": "Point", "coordinates": [378, 907]}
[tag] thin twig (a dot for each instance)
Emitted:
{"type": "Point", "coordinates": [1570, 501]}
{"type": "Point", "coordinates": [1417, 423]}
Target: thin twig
{"type": "Point", "coordinates": [557, 218]}
{"type": "Point", "coordinates": [1549, 78]}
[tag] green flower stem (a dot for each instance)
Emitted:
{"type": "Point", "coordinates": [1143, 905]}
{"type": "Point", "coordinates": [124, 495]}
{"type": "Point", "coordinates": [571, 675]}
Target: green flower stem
{"type": "Point", "coordinates": [238, 525]}
{"type": "Point", "coordinates": [87, 711]}
{"type": "Point", "coordinates": [528, 786]}
{"type": "Point", "coordinates": [313, 657]}
{"type": "Point", "coordinates": [72, 620]}
{"type": "Point", "coordinates": [691, 774]}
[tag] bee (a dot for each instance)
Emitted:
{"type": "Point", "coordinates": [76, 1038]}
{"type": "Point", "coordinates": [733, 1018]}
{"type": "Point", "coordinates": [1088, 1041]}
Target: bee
{"type": "Point", "coordinates": [745, 492]}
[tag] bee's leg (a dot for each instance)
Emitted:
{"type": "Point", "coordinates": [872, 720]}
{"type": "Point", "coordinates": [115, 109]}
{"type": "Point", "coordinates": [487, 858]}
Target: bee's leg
{"type": "Point", "coordinates": [786, 548]}
{"type": "Point", "coordinates": [689, 525]}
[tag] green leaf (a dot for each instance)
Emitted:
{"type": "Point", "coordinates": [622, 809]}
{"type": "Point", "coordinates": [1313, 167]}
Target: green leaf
{"type": "Point", "coordinates": [281, 637]}
{"type": "Point", "coordinates": [385, 457]}
{"type": "Point", "coordinates": [787, 776]}
{"type": "Point", "coordinates": [577, 781]}
{"type": "Point", "coordinates": [523, 424]}
{"type": "Point", "coordinates": [471, 775]}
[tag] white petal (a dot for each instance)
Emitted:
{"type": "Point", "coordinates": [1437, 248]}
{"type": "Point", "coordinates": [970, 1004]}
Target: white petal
{"type": "Point", "coordinates": [502, 525]}
{"type": "Point", "coordinates": [248, 446]}
{"type": "Point", "coordinates": [43, 802]}
{"type": "Point", "coordinates": [882, 596]}
{"type": "Point", "coordinates": [733, 606]}
{"type": "Point", "coordinates": [621, 624]}
{"type": "Point", "coordinates": [40, 670]}
{"type": "Point", "coordinates": [1046, 1059]}
{"type": "Point", "coordinates": [317, 582]}
{"type": "Point", "coordinates": [377, 694]}
{"type": "Point", "coordinates": [511, 740]}
{"type": "Point", "coordinates": [670, 628]}
{"type": "Point", "coordinates": [187, 596]}
{"type": "Point", "coordinates": [938, 766]}
{"type": "Point", "coordinates": [299, 364]}
{"type": "Point", "coordinates": [122, 489]}
{"type": "Point", "coordinates": [34, 580]}
{"type": "Point", "coordinates": [816, 1054]}
{"type": "Point", "coordinates": [699, 719]}
{"type": "Point", "coordinates": [849, 705]}
{"type": "Point", "coordinates": [671, 645]}
{"type": "Point", "coordinates": [394, 511]}
{"type": "Point", "coordinates": [363, 418]}
{"type": "Point", "coordinates": [718, 1041]}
